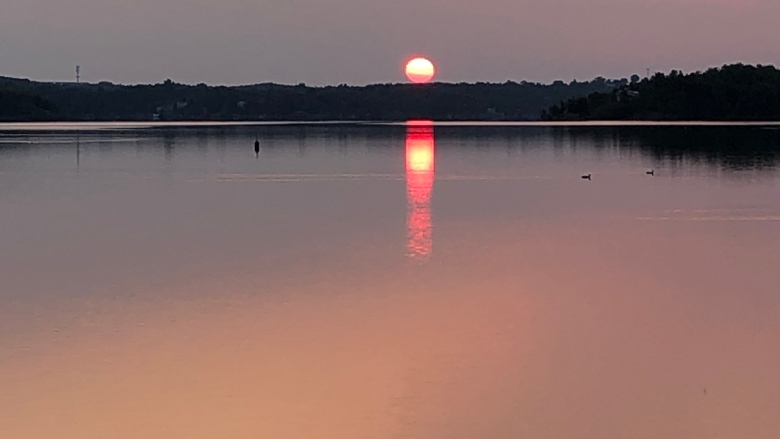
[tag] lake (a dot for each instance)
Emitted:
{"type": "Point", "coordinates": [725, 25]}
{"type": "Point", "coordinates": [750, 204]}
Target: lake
{"type": "Point", "coordinates": [354, 281]}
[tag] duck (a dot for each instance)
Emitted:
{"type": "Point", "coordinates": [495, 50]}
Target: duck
{"type": "Point", "coordinates": [586, 177]}
{"type": "Point", "coordinates": [651, 172]}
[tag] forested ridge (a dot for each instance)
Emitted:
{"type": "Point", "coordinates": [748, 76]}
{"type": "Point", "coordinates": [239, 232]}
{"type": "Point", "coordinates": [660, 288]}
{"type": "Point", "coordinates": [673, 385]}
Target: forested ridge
{"type": "Point", "coordinates": [169, 100]}
{"type": "Point", "coordinates": [734, 92]}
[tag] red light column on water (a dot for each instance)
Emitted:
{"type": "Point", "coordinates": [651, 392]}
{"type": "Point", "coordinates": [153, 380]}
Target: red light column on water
{"type": "Point", "coordinates": [420, 170]}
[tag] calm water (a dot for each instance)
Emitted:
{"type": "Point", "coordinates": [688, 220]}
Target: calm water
{"type": "Point", "coordinates": [354, 282]}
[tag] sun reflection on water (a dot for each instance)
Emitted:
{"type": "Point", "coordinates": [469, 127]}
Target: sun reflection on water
{"type": "Point", "coordinates": [420, 170]}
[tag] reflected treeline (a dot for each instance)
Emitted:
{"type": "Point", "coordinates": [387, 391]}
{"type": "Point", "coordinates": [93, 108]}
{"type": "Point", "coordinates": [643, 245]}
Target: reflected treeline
{"type": "Point", "coordinates": [731, 147]}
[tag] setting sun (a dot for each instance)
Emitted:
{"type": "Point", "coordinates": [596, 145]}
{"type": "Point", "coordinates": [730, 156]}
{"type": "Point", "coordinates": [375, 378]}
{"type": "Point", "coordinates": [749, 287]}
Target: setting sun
{"type": "Point", "coordinates": [420, 70]}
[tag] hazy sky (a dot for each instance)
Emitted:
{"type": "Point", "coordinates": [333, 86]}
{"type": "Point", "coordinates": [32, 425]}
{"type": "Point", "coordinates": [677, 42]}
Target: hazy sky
{"type": "Point", "coordinates": [367, 41]}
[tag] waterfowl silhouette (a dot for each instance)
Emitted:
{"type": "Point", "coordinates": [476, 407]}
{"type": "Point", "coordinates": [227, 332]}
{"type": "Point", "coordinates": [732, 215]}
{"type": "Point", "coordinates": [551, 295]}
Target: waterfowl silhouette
{"type": "Point", "coordinates": [257, 146]}
{"type": "Point", "coordinates": [586, 177]}
{"type": "Point", "coordinates": [651, 172]}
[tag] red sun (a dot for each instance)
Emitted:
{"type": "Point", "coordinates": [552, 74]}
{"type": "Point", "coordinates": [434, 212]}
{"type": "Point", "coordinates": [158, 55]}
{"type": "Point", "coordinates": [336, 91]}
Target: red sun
{"type": "Point", "coordinates": [420, 70]}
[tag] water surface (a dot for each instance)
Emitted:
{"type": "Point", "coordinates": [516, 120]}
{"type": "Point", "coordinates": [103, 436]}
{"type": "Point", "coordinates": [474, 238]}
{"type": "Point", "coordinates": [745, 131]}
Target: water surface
{"type": "Point", "coordinates": [389, 281]}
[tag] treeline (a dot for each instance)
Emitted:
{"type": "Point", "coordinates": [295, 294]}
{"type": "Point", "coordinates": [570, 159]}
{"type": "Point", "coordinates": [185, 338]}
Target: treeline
{"type": "Point", "coordinates": [735, 92]}
{"type": "Point", "coordinates": [381, 102]}
{"type": "Point", "coordinates": [20, 105]}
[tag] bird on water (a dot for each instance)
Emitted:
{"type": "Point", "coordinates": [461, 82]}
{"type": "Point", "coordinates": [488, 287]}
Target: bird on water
{"type": "Point", "coordinates": [651, 172]}
{"type": "Point", "coordinates": [257, 146]}
{"type": "Point", "coordinates": [586, 177]}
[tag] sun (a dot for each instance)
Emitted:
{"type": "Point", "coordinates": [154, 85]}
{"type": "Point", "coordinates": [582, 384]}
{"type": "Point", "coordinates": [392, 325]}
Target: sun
{"type": "Point", "coordinates": [420, 70]}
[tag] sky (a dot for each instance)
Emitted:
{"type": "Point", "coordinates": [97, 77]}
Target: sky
{"type": "Point", "coordinates": [330, 42]}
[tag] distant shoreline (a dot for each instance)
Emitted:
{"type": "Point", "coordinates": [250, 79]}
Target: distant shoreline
{"type": "Point", "coordinates": [96, 126]}
{"type": "Point", "coordinates": [736, 92]}
{"type": "Point", "coordinates": [23, 100]}
{"type": "Point", "coordinates": [733, 93]}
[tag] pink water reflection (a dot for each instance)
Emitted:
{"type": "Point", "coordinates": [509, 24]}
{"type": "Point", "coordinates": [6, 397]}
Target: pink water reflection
{"type": "Point", "coordinates": [137, 302]}
{"type": "Point", "coordinates": [420, 172]}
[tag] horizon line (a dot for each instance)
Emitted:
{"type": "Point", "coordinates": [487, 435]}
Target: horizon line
{"type": "Point", "coordinates": [399, 83]}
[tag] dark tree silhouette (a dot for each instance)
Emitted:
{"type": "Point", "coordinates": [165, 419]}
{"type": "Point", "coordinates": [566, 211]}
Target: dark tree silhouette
{"type": "Point", "coordinates": [171, 101]}
{"type": "Point", "coordinates": [733, 92]}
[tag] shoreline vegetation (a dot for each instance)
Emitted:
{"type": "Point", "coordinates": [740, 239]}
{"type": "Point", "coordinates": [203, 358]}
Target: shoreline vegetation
{"type": "Point", "coordinates": [730, 93]}
{"type": "Point", "coordinates": [29, 101]}
{"type": "Point", "coordinates": [734, 92]}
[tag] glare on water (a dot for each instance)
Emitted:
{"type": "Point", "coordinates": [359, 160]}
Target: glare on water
{"type": "Point", "coordinates": [420, 168]}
